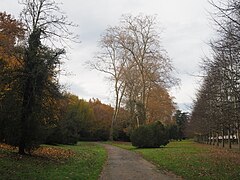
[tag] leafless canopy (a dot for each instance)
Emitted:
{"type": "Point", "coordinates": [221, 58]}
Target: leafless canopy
{"type": "Point", "coordinates": [47, 16]}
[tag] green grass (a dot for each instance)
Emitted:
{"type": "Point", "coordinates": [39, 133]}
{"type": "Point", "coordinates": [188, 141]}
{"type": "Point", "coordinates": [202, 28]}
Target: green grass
{"type": "Point", "coordinates": [191, 160]}
{"type": "Point", "coordinates": [86, 164]}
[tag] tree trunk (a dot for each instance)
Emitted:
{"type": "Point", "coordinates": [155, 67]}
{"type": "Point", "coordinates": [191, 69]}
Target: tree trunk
{"type": "Point", "coordinates": [238, 140]}
{"type": "Point", "coordinates": [223, 143]}
{"type": "Point", "coordinates": [229, 139]}
{"type": "Point", "coordinates": [21, 149]}
{"type": "Point", "coordinates": [115, 111]}
{"type": "Point", "coordinates": [213, 139]}
{"type": "Point", "coordinates": [26, 112]}
{"type": "Point", "coordinates": [117, 107]}
{"type": "Point", "coordinates": [210, 140]}
{"type": "Point", "coordinates": [111, 131]}
{"type": "Point", "coordinates": [112, 125]}
{"type": "Point", "coordinates": [138, 124]}
{"type": "Point", "coordinates": [29, 96]}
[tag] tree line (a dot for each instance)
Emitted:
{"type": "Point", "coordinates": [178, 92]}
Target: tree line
{"type": "Point", "coordinates": [216, 111]}
{"type": "Point", "coordinates": [35, 108]}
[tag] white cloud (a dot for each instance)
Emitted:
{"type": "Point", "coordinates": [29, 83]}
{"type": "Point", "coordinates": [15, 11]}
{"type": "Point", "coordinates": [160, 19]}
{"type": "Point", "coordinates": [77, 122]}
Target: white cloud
{"type": "Point", "coordinates": [186, 31]}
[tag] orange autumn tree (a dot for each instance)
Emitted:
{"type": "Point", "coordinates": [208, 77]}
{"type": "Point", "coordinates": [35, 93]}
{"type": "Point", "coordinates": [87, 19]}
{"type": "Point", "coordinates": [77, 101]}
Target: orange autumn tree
{"type": "Point", "coordinates": [102, 119]}
{"type": "Point", "coordinates": [160, 106]}
{"type": "Point", "coordinates": [11, 35]}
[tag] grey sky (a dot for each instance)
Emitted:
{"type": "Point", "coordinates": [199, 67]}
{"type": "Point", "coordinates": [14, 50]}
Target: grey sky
{"type": "Point", "coordinates": [186, 30]}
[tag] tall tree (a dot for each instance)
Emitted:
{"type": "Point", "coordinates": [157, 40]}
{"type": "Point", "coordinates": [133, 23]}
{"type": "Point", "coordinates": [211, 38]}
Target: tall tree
{"type": "Point", "coordinates": [132, 56]}
{"type": "Point", "coordinates": [37, 81]}
{"type": "Point", "coordinates": [139, 37]}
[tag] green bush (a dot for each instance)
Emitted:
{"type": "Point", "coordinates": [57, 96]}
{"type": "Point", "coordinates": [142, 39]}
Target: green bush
{"type": "Point", "coordinates": [148, 136]}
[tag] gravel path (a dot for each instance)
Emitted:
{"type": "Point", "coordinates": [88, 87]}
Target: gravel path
{"type": "Point", "coordinates": [126, 165]}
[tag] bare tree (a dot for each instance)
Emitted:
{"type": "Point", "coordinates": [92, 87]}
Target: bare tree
{"type": "Point", "coordinates": [134, 59]}
{"type": "Point", "coordinates": [112, 61]}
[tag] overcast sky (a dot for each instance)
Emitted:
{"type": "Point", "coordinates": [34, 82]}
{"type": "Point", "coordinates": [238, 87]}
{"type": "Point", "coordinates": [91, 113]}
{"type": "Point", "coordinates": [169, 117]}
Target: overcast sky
{"type": "Point", "coordinates": [186, 31]}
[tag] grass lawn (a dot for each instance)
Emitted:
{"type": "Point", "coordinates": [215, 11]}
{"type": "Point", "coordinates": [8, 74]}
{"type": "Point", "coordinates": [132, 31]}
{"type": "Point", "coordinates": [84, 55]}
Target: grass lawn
{"type": "Point", "coordinates": [82, 161]}
{"type": "Point", "coordinates": [191, 160]}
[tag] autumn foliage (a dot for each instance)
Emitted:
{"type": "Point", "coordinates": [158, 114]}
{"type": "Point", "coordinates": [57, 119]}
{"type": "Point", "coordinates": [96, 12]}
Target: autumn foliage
{"type": "Point", "coordinates": [35, 110]}
{"type": "Point", "coordinates": [102, 119]}
{"type": "Point", "coordinates": [160, 106]}
{"type": "Point", "coordinates": [11, 32]}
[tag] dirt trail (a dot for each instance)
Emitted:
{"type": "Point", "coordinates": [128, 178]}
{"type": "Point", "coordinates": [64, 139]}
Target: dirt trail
{"type": "Point", "coordinates": [126, 165]}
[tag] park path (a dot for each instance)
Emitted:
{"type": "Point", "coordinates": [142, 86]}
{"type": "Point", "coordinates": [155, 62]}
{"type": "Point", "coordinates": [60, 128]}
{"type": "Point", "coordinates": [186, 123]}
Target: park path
{"type": "Point", "coordinates": [126, 165]}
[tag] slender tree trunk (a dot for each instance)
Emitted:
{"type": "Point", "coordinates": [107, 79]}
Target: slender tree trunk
{"type": "Point", "coordinates": [217, 138]}
{"type": "Point", "coordinates": [26, 112]}
{"type": "Point", "coordinates": [210, 136]}
{"type": "Point", "coordinates": [21, 149]}
{"type": "Point", "coordinates": [138, 124]}
{"type": "Point", "coordinates": [238, 140]}
{"type": "Point", "coordinates": [143, 98]}
{"type": "Point", "coordinates": [223, 143]}
{"type": "Point", "coordinates": [213, 138]}
{"type": "Point", "coordinates": [233, 138]}
{"type": "Point", "coordinates": [117, 107]}
{"type": "Point", "coordinates": [113, 119]}
{"type": "Point", "coordinates": [229, 139]}
{"type": "Point", "coordinates": [207, 142]}
{"type": "Point", "coordinates": [111, 130]}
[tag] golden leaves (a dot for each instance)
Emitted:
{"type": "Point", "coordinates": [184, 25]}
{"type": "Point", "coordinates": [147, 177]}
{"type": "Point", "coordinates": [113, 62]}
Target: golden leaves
{"type": "Point", "coordinates": [54, 153]}
{"type": "Point", "coordinates": [7, 147]}
{"type": "Point", "coordinates": [51, 153]}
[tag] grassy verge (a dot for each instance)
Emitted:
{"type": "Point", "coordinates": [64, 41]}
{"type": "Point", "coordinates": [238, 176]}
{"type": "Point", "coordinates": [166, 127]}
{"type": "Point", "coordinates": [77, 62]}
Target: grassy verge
{"type": "Point", "coordinates": [83, 161]}
{"type": "Point", "coordinates": [192, 160]}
